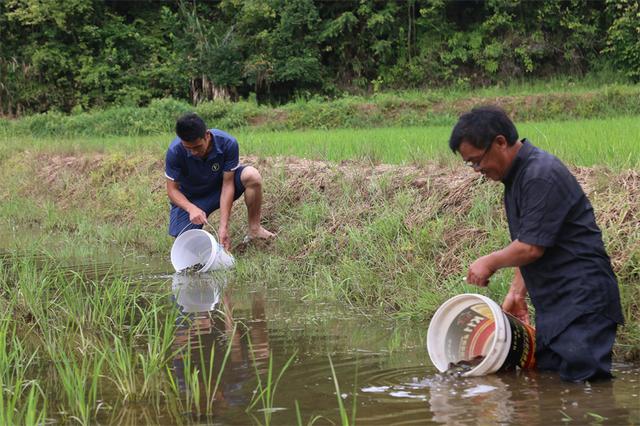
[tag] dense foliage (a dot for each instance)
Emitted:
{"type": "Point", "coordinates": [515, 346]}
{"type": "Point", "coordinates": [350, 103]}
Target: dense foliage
{"type": "Point", "coordinates": [79, 54]}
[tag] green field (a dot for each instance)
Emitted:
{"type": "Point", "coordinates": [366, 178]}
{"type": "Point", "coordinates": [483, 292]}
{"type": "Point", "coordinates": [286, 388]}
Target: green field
{"type": "Point", "coordinates": [611, 142]}
{"type": "Point", "coordinates": [389, 233]}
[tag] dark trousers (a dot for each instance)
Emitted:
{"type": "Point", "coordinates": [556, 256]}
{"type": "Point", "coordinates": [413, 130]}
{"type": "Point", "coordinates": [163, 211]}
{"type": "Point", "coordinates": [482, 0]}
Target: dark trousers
{"type": "Point", "coordinates": [582, 351]}
{"type": "Point", "coordinates": [179, 219]}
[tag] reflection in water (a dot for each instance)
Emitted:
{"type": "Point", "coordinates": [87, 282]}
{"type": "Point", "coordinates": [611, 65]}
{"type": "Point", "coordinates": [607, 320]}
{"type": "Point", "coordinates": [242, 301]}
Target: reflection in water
{"type": "Point", "coordinates": [523, 397]}
{"type": "Point", "coordinates": [212, 346]}
{"type": "Point", "coordinates": [526, 398]}
{"type": "Point", "coordinates": [198, 292]}
{"type": "Point", "coordinates": [404, 393]}
{"type": "Point", "coordinates": [454, 400]}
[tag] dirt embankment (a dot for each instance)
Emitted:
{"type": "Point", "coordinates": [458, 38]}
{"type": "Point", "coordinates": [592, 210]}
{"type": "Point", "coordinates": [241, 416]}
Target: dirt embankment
{"type": "Point", "coordinates": [438, 190]}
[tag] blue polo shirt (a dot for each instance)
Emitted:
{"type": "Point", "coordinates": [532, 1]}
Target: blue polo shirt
{"type": "Point", "coordinates": [546, 206]}
{"type": "Point", "coordinates": [199, 177]}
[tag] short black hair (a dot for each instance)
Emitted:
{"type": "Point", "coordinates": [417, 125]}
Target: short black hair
{"type": "Point", "coordinates": [480, 126]}
{"type": "Point", "coordinates": [190, 127]}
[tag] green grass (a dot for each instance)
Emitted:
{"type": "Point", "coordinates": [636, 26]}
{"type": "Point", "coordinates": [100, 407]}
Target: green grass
{"type": "Point", "coordinates": [611, 142]}
{"type": "Point", "coordinates": [537, 101]}
{"type": "Point", "coordinates": [67, 340]}
{"type": "Point", "coordinates": [608, 142]}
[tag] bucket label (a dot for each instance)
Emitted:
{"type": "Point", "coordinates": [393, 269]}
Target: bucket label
{"type": "Point", "coordinates": [523, 345]}
{"type": "Point", "coordinates": [470, 334]}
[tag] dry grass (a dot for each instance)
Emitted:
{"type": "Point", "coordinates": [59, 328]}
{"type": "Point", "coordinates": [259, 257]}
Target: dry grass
{"type": "Point", "coordinates": [396, 237]}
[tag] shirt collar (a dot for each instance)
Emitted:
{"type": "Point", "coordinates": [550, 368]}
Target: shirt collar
{"type": "Point", "coordinates": [518, 161]}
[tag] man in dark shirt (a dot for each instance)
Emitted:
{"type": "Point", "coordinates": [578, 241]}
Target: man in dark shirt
{"type": "Point", "coordinates": [204, 174]}
{"type": "Point", "coordinates": [556, 248]}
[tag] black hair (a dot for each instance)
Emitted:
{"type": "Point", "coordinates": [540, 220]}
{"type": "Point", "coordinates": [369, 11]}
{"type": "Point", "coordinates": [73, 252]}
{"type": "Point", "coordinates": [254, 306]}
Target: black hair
{"type": "Point", "coordinates": [480, 126]}
{"type": "Point", "coordinates": [190, 127]}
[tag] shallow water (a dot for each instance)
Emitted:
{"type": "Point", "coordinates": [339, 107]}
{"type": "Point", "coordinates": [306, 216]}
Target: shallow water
{"type": "Point", "coordinates": [383, 370]}
{"type": "Point", "coordinates": [382, 365]}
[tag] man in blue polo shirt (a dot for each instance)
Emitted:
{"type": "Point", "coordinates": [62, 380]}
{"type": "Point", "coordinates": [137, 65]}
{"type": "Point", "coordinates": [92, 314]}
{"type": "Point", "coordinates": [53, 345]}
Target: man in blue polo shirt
{"type": "Point", "coordinates": [204, 174]}
{"type": "Point", "coordinates": [556, 248]}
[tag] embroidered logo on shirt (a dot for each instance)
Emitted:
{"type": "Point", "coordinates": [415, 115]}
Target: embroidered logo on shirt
{"type": "Point", "coordinates": [215, 167]}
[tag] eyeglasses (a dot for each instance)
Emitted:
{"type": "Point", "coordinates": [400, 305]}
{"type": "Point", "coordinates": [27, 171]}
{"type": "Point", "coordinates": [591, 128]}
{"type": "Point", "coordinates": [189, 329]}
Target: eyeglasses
{"type": "Point", "coordinates": [476, 164]}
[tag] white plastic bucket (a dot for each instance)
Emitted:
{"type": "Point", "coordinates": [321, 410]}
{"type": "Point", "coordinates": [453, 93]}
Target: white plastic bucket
{"type": "Point", "coordinates": [471, 325]}
{"type": "Point", "coordinates": [197, 246]}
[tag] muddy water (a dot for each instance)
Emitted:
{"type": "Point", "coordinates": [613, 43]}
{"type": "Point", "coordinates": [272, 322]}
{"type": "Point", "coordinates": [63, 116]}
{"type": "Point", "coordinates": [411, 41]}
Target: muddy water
{"type": "Point", "coordinates": [381, 365]}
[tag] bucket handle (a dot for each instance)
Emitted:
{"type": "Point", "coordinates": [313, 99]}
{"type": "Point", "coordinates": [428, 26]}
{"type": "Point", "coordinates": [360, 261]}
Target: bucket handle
{"type": "Point", "coordinates": [213, 230]}
{"type": "Point", "coordinates": [183, 229]}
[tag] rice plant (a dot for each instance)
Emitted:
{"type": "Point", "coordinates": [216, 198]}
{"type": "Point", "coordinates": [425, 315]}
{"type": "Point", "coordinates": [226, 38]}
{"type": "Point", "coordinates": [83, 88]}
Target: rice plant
{"type": "Point", "coordinates": [265, 391]}
{"type": "Point", "coordinates": [79, 381]}
{"type": "Point", "coordinates": [344, 416]}
{"type": "Point", "coordinates": [21, 402]}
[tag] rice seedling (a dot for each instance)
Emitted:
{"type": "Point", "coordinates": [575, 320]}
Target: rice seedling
{"type": "Point", "coordinates": [158, 353]}
{"type": "Point", "coordinates": [21, 402]}
{"type": "Point", "coordinates": [211, 386]}
{"type": "Point", "coordinates": [265, 391]}
{"type": "Point", "coordinates": [121, 363]}
{"type": "Point", "coordinates": [312, 419]}
{"type": "Point", "coordinates": [79, 381]}
{"type": "Point", "coordinates": [196, 380]}
{"type": "Point", "coordinates": [192, 386]}
{"type": "Point", "coordinates": [344, 416]}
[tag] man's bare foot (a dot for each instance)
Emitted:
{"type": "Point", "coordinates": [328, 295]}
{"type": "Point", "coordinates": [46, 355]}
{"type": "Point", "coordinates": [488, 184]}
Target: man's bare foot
{"type": "Point", "coordinates": [260, 238]}
{"type": "Point", "coordinates": [260, 234]}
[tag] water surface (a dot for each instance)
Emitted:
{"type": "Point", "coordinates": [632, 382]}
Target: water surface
{"type": "Point", "coordinates": [240, 331]}
{"type": "Point", "coordinates": [381, 365]}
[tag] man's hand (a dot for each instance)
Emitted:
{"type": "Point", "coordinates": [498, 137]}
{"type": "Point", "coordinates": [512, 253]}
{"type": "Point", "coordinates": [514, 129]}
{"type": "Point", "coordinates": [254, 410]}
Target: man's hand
{"type": "Point", "coordinates": [225, 239]}
{"type": "Point", "coordinates": [197, 216]}
{"type": "Point", "coordinates": [515, 301]}
{"type": "Point", "coordinates": [480, 271]}
{"type": "Point", "coordinates": [517, 306]}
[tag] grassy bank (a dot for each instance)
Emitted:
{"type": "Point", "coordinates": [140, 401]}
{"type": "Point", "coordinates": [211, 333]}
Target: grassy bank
{"type": "Point", "coordinates": [560, 100]}
{"type": "Point", "coordinates": [610, 142]}
{"type": "Point", "coordinates": [385, 239]}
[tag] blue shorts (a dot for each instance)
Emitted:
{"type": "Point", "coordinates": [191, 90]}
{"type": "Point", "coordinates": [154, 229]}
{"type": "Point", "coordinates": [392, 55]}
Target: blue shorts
{"type": "Point", "coordinates": [179, 219]}
{"type": "Point", "coordinates": [582, 351]}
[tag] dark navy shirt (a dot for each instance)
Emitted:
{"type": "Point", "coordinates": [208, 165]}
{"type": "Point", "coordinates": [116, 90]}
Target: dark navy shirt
{"type": "Point", "coordinates": [200, 177]}
{"type": "Point", "coordinates": [546, 207]}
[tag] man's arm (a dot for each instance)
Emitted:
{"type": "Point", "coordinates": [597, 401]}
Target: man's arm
{"type": "Point", "coordinates": [515, 301]}
{"type": "Point", "coordinates": [515, 254]}
{"type": "Point", "coordinates": [196, 215]}
{"type": "Point", "coordinates": [226, 201]}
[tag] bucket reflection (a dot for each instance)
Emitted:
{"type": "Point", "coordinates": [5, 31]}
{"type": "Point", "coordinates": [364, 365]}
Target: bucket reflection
{"type": "Point", "coordinates": [213, 362]}
{"type": "Point", "coordinates": [195, 293]}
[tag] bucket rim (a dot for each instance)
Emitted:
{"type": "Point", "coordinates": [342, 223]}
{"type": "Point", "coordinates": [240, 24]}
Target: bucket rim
{"type": "Point", "coordinates": [190, 234]}
{"type": "Point", "coordinates": [487, 363]}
